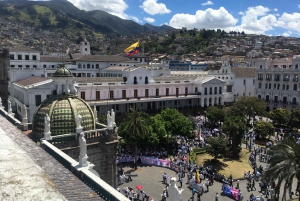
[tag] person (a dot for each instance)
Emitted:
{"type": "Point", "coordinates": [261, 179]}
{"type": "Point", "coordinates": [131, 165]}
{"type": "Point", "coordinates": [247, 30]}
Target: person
{"type": "Point", "coordinates": [252, 197]}
{"type": "Point", "coordinates": [129, 177]}
{"type": "Point", "coordinates": [217, 197]}
{"type": "Point", "coordinates": [240, 194]}
{"type": "Point", "coordinates": [138, 193]}
{"type": "Point", "coordinates": [207, 185]}
{"type": "Point", "coordinates": [253, 185]}
{"type": "Point", "coordinates": [165, 178]}
{"type": "Point", "coordinates": [151, 199]}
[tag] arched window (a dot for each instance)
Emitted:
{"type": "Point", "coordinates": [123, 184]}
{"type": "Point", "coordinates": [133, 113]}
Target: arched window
{"type": "Point", "coordinates": [259, 96]}
{"type": "Point", "coordinates": [88, 66]}
{"type": "Point", "coordinates": [79, 65]}
{"type": "Point", "coordinates": [97, 66]}
{"type": "Point", "coordinates": [83, 65]}
{"type": "Point", "coordinates": [134, 80]}
{"type": "Point", "coordinates": [146, 80]}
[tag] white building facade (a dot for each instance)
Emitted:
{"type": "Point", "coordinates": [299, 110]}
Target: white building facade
{"type": "Point", "coordinates": [278, 82]}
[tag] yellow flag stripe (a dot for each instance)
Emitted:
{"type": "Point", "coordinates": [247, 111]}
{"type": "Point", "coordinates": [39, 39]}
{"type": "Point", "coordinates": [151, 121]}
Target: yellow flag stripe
{"type": "Point", "coordinates": [131, 47]}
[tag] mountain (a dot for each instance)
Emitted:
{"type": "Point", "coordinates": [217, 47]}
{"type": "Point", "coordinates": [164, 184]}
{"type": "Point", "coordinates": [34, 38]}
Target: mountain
{"type": "Point", "coordinates": [61, 15]}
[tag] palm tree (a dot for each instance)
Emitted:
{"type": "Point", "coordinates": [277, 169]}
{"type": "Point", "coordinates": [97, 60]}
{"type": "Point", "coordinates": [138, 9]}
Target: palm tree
{"type": "Point", "coordinates": [284, 164]}
{"type": "Point", "coordinates": [136, 124]}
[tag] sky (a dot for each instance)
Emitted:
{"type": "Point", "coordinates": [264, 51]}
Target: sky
{"type": "Point", "coordinates": [269, 17]}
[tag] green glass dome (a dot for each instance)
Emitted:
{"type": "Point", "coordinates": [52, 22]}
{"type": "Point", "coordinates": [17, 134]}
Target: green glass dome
{"type": "Point", "coordinates": [62, 110]}
{"type": "Point", "coordinates": [62, 72]}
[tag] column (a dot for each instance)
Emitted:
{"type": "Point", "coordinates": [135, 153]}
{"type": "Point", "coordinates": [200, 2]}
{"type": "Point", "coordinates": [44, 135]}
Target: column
{"type": "Point", "coordinates": [212, 101]}
{"type": "Point", "coordinates": [202, 102]}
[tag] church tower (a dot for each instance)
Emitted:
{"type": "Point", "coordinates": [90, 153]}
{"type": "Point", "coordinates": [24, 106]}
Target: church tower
{"type": "Point", "coordinates": [85, 48]}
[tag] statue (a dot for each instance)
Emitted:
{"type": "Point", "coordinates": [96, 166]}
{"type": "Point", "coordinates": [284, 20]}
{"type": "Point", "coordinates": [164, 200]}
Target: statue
{"type": "Point", "coordinates": [82, 156]}
{"type": "Point", "coordinates": [95, 114]}
{"type": "Point", "coordinates": [78, 121]}
{"type": "Point", "coordinates": [174, 192]}
{"type": "Point", "coordinates": [73, 90]}
{"type": "Point", "coordinates": [47, 124]}
{"type": "Point", "coordinates": [109, 120]}
{"type": "Point", "coordinates": [9, 106]}
{"type": "Point", "coordinates": [24, 116]}
{"type": "Point", "coordinates": [113, 117]}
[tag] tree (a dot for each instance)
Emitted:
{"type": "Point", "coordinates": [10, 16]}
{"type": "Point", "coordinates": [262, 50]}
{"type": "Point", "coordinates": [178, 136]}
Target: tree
{"type": "Point", "coordinates": [264, 128]}
{"type": "Point", "coordinates": [216, 146]}
{"type": "Point", "coordinates": [295, 118]}
{"type": "Point", "coordinates": [235, 127]}
{"type": "Point", "coordinates": [176, 123]}
{"type": "Point", "coordinates": [134, 128]}
{"type": "Point", "coordinates": [280, 116]}
{"type": "Point", "coordinates": [284, 164]}
{"type": "Point", "coordinates": [249, 107]}
{"type": "Point", "coordinates": [215, 114]}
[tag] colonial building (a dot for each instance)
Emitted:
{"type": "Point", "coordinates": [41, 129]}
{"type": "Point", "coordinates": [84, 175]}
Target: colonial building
{"type": "Point", "coordinates": [143, 88]}
{"type": "Point", "coordinates": [244, 81]}
{"type": "Point", "coordinates": [278, 82]}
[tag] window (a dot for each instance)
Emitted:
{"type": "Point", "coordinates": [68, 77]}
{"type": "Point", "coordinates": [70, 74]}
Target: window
{"type": "Point", "coordinates": [146, 93]}
{"type": "Point", "coordinates": [266, 85]}
{"type": "Point", "coordinates": [196, 90]}
{"type": "Point", "coordinates": [33, 57]}
{"type": "Point", "coordinates": [38, 100]}
{"type": "Point", "coordinates": [259, 85]}
{"type": "Point", "coordinates": [97, 95]}
{"type": "Point", "coordinates": [85, 49]}
{"type": "Point", "coordinates": [186, 91]}
{"type": "Point", "coordinates": [124, 94]}
{"type": "Point", "coordinates": [269, 77]}
{"type": "Point", "coordinates": [167, 91]}
{"type": "Point", "coordinates": [295, 78]}
{"type": "Point", "coordinates": [270, 85]}
{"type": "Point", "coordinates": [220, 90]}
{"type": "Point", "coordinates": [260, 66]}
{"type": "Point", "coordinates": [275, 99]}
{"type": "Point", "coordinates": [229, 88]}
{"type": "Point", "coordinates": [44, 66]}
{"type": "Point", "coordinates": [260, 77]}
{"type": "Point", "coordinates": [210, 90]}
{"type": "Point", "coordinates": [278, 86]}
{"type": "Point", "coordinates": [19, 57]}
{"type": "Point", "coordinates": [82, 95]}
{"type": "Point", "coordinates": [88, 66]}
{"type": "Point", "coordinates": [20, 66]}
{"type": "Point", "coordinates": [284, 100]}
{"type": "Point", "coordinates": [97, 66]}
{"type": "Point", "coordinates": [286, 77]}
{"type": "Point", "coordinates": [79, 65]}
{"type": "Point", "coordinates": [274, 85]}
{"type": "Point", "coordinates": [177, 91]}
{"type": "Point", "coordinates": [111, 95]}
{"type": "Point", "coordinates": [146, 80]}
{"type": "Point", "coordinates": [205, 91]}
{"type": "Point", "coordinates": [216, 90]}
{"type": "Point", "coordinates": [135, 93]}
{"type": "Point", "coordinates": [26, 57]}
{"type": "Point", "coordinates": [12, 57]}
{"type": "Point", "coordinates": [135, 80]}
{"type": "Point", "coordinates": [267, 98]}
{"type": "Point", "coordinates": [287, 87]}
{"type": "Point", "coordinates": [88, 74]}
{"type": "Point", "coordinates": [253, 81]}
{"type": "Point", "coordinates": [277, 78]}
{"type": "Point", "coordinates": [295, 87]}
{"type": "Point", "coordinates": [157, 92]}
{"type": "Point", "coordinates": [244, 82]}
{"type": "Point", "coordinates": [296, 66]}
{"type": "Point", "coordinates": [283, 87]}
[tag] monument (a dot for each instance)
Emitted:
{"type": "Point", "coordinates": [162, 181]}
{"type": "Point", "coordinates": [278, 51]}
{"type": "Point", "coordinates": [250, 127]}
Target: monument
{"type": "Point", "coordinates": [174, 192]}
{"type": "Point", "coordinates": [78, 123]}
{"type": "Point", "coordinates": [113, 118]}
{"type": "Point", "coordinates": [109, 121]}
{"type": "Point", "coordinates": [9, 110]}
{"type": "Point", "coordinates": [24, 118]}
{"type": "Point", "coordinates": [83, 156]}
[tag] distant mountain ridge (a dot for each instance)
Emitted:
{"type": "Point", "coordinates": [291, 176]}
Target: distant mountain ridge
{"type": "Point", "coordinates": [64, 16]}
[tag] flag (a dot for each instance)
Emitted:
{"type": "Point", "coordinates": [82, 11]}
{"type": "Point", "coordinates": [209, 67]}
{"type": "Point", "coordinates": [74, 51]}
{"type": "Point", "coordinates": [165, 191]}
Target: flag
{"type": "Point", "coordinates": [133, 49]}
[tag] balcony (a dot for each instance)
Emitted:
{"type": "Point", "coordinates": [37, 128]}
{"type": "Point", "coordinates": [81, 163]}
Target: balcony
{"type": "Point", "coordinates": [295, 79]}
{"type": "Point", "coordinates": [286, 79]}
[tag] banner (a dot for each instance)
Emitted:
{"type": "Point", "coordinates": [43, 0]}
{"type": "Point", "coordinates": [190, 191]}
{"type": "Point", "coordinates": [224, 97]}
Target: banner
{"type": "Point", "coordinates": [163, 163]}
{"type": "Point", "coordinates": [125, 159]}
{"type": "Point", "coordinates": [147, 160]}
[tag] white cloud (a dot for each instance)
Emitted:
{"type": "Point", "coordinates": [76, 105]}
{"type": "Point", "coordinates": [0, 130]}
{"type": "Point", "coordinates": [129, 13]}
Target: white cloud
{"type": "Point", "coordinates": [287, 33]}
{"type": "Point", "coordinates": [153, 8]}
{"type": "Point", "coordinates": [207, 3]}
{"type": "Point", "coordinates": [275, 9]}
{"type": "Point", "coordinates": [241, 13]}
{"type": "Point", "coordinates": [289, 21]}
{"type": "Point", "coordinates": [208, 18]}
{"type": "Point", "coordinates": [148, 19]}
{"type": "Point", "coordinates": [114, 7]}
{"type": "Point", "coordinates": [298, 5]}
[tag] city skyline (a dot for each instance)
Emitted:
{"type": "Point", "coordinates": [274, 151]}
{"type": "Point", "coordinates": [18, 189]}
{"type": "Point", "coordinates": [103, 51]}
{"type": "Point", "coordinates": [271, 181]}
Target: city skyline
{"type": "Point", "coordinates": [259, 17]}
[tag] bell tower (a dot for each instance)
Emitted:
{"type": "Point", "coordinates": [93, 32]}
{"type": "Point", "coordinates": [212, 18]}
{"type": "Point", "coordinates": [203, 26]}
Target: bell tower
{"type": "Point", "coordinates": [85, 48]}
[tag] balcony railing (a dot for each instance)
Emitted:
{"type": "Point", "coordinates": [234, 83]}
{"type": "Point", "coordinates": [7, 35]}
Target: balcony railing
{"type": "Point", "coordinates": [286, 79]}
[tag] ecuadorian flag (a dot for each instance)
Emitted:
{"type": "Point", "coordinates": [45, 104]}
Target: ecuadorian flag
{"type": "Point", "coordinates": [133, 49]}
